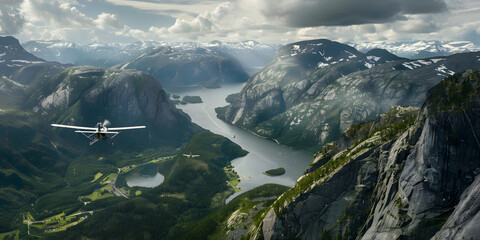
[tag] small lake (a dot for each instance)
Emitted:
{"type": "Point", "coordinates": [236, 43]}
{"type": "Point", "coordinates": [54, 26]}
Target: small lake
{"type": "Point", "coordinates": [148, 177]}
{"type": "Point", "coordinates": [263, 154]}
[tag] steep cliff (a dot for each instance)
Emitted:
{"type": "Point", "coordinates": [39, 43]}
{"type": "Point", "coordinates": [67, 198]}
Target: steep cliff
{"type": "Point", "coordinates": [312, 91]}
{"type": "Point", "coordinates": [400, 176]}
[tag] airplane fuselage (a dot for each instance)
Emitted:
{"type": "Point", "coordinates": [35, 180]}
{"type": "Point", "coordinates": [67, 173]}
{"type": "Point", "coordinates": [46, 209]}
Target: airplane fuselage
{"type": "Point", "coordinates": [101, 132]}
{"type": "Point", "coordinates": [101, 136]}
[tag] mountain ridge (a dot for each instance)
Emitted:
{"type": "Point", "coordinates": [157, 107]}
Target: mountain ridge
{"type": "Point", "coordinates": [316, 104]}
{"type": "Point", "coordinates": [420, 49]}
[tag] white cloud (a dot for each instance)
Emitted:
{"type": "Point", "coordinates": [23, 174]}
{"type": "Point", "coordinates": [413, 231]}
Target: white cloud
{"type": "Point", "coordinates": [204, 23]}
{"type": "Point", "coordinates": [62, 19]}
{"type": "Point", "coordinates": [11, 21]}
{"type": "Point", "coordinates": [184, 11]}
{"type": "Point", "coordinates": [56, 13]}
{"type": "Point", "coordinates": [107, 20]}
{"type": "Point", "coordinates": [238, 20]}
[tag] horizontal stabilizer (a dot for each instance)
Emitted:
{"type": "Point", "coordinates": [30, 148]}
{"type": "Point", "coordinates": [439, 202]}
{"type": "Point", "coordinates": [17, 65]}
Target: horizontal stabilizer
{"type": "Point", "coordinates": [97, 132]}
{"type": "Point", "coordinates": [85, 131]}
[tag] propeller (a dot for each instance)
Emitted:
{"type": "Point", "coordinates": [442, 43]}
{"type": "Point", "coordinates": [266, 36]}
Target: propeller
{"type": "Point", "coordinates": [106, 123]}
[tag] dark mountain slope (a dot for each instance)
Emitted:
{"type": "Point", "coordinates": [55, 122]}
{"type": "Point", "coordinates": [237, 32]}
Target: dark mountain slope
{"type": "Point", "coordinates": [30, 164]}
{"type": "Point", "coordinates": [13, 56]}
{"type": "Point", "coordinates": [382, 56]}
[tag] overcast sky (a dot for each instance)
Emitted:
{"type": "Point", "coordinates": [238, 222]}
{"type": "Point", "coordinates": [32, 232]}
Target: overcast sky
{"type": "Point", "coordinates": [269, 21]}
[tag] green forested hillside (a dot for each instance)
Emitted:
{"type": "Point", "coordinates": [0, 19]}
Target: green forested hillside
{"type": "Point", "coordinates": [193, 188]}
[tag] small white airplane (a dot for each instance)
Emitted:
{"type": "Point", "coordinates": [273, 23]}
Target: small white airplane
{"type": "Point", "coordinates": [191, 155]}
{"type": "Point", "coordinates": [100, 132]}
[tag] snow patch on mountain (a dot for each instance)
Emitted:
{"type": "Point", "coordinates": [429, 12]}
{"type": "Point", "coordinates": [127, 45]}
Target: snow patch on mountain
{"type": "Point", "coordinates": [444, 70]}
{"type": "Point", "coordinates": [373, 58]}
{"type": "Point", "coordinates": [419, 49]}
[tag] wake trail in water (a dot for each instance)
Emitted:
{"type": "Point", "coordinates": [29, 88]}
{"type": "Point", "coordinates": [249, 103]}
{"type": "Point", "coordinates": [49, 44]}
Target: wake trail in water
{"type": "Point", "coordinates": [213, 120]}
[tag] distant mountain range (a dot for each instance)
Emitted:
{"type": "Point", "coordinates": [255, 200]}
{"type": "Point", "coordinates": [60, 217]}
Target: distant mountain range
{"type": "Point", "coordinates": [419, 49]}
{"type": "Point", "coordinates": [314, 90]}
{"type": "Point", "coordinates": [173, 64]}
{"type": "Point", "coordinates": [251, 54]}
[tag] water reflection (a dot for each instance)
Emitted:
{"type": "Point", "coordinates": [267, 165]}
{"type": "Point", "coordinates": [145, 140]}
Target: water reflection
{"type": "Point", "coordinates": [139, 180]}
{"type": "Point", "coordinates": [147, 176]}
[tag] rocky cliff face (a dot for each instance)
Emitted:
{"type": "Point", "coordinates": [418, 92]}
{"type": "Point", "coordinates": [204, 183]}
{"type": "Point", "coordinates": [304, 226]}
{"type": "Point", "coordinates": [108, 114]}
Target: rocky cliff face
{"type": "Point", "coordinates": [443, 163]}
{"type": "Point", "coordinates": [177, 67]}
{"type": "Point", "coordinates": [400, 176]}
{"type": "Point", "coordinates": [314, 90]}
{"type": "Point", "coordinates": [464, 221]}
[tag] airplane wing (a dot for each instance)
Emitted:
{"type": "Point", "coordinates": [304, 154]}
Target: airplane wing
{"type": "Point", "coordinates": [74, 127]}
{"type": "Point", "coordinates": [127, 128]}
{"type": "Point", "coordinates": [195, 155]}
{"type": "Point", "coordinates": [186, 155]}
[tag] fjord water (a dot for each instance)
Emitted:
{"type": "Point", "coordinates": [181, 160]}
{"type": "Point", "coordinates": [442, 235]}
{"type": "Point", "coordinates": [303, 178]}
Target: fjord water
{"type": "Point", "coordinates": [263, 154]}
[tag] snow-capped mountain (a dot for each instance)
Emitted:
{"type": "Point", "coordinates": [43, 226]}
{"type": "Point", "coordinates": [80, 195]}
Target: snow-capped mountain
{"type": "Point", "coordinates": [251, 54]}
{"type": "Point", "coordinates": [419, 49]}
{"type": "Point", "coordinates": [95, 54]}
{"type": "Point", "coordinates": [324, 53]}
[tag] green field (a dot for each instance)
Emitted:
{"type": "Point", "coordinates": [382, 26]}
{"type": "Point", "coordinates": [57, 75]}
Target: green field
{"type": "Point", "coordinates": [97, 176]}
{"type": "Point", "coordinates": [57, 223]}
{"type": "Point", "coordinates": [100, 193]}
{"type": "Point", "coordinates": [232, 176]}
{"type": "Point", "coordinates": [110, 177]}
